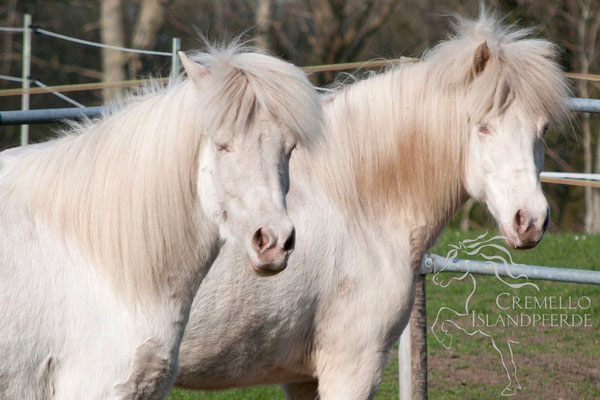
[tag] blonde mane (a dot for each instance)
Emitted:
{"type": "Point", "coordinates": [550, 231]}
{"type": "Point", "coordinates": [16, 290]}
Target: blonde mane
{"type": "Point", "coordinates": [255, 80]}
{"type": "Point", "coordinates": [397, 142]}
{"type": "Point", "coordinates": [122, 190]}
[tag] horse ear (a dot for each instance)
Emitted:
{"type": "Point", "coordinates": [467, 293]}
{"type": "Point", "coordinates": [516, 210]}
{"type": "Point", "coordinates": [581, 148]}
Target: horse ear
{"type": "Point", "coordinates": [194, 70]}
{"type": "Point", "coordinates": [549, 51]}
{"type": "Point", "coordinates": [480, 59]}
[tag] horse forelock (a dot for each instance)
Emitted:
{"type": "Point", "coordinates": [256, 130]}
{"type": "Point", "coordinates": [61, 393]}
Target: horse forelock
{"type": "Point", "coordinates": [521, 69]}
{"type": "Point", "coordinates": [398, 141]}
{"type": "Point", "coordinates": [242, 83]}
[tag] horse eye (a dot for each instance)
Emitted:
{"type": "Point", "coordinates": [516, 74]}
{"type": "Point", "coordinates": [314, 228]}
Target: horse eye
{"type": "Point", "coordinates": [484, 129]}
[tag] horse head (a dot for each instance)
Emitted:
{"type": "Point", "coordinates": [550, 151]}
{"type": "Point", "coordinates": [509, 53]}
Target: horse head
{"type": "Point", "coordinates": [265, 107]}
{"type": "Point", "coordinates": [515, 94]}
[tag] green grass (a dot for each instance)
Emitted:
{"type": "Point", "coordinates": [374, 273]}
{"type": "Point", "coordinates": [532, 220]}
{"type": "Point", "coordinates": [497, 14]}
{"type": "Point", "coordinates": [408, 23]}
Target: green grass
{"type": "Point", "coordinates": [552, 362]}
{"type": "Point", "coordinates": [542, 352]}
{"type": "Point", "coordinates": [255, 393]}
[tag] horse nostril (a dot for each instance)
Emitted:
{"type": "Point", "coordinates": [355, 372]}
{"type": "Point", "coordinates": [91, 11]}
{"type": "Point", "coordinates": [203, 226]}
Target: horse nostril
{"type": "Point", "coordinates": [260, 239]}
{"type": "Point", "coordinates": [519, 220]}
{"type": "Point", "coordinates": [546, 222]}
{"type": "Point", "coordinates": [290, 242]}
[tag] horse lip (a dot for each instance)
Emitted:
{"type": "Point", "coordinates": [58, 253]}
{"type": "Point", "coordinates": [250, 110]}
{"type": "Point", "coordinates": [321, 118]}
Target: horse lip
{"type": "Point", "coordinates": [508, 240]}
{"type": "Point", "coordinates": [254, 267]}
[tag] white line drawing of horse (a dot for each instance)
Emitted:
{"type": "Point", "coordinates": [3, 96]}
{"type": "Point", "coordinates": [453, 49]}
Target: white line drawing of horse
{"type": "Point", "coordinates": [457, 318]}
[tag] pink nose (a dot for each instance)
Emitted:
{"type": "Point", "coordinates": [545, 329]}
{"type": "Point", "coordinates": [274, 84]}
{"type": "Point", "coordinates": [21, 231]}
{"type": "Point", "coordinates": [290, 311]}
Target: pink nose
{"type": "Point", "coordinates": [529, 230]}
{"type": "Point", "coordinates": [272, 250]}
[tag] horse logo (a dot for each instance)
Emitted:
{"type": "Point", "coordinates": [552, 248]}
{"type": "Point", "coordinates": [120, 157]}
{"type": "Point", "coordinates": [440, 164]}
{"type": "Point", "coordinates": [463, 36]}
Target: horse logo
{"type": "Point", "coordinates": [464, 319]}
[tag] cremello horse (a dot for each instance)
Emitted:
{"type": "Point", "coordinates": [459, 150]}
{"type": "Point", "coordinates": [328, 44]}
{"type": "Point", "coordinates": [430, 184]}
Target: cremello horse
{"type": "Point", "coordinates": [106, 233]}
{"type": "Point", "coordinates": [403, 151]}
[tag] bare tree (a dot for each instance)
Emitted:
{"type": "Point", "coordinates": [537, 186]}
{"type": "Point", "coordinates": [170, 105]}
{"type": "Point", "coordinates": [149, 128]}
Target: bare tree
{"type": "Point", "coordinates": [588, 25]}
{"type": "Point", "coordinates": [335, 30]}
{"type": "Point", "coordinates": [263, 17]}
{"type": "Point", "coordinates": [150, 20]}
{"type": "Point", "coordinates": [111, 25]}
{"type": "Point", "coordinates": [11, 19]}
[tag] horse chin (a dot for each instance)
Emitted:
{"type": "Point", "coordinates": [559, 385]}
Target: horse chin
{"type": "Point", "coordinates": [521, 246]}
{"type": "Point", "coordinates": [516, 244]}
{"type": "Point", "coordinates": [265, 271]}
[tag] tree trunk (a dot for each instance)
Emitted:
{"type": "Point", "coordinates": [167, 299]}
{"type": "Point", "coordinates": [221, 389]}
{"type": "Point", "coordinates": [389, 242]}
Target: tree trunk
{"type": "Point", "coordinates": [111, 24]}
{"type": "Point", "coordinates": [150, 20]}
{"type": "Point", "coordinates": [583, 89]}
{"type": "Point", "coordinates": [587, 164]}
{"type": "Point", "coordinates": [10, 20]}
{"type": "Point", "coordinates": [264, 21]}
{"type": "Point", "coordinates": [592, 52]}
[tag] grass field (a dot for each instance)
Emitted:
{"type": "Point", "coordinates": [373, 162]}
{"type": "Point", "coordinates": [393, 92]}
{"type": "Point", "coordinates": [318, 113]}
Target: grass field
{"type": "Point", "coordinates": [552, 362]}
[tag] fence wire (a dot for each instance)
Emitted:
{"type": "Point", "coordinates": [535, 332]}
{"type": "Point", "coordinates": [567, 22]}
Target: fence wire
{"type": "Point", "coordinates": [96, 44]}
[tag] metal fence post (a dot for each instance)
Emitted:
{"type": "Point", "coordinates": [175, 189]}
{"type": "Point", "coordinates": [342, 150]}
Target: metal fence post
{"type": "Point", "coordinates": [175, 66]}
{"type": "Point", "coordinates": [26, 72]}
{"type": "Point", "coordinates": [404, 365]}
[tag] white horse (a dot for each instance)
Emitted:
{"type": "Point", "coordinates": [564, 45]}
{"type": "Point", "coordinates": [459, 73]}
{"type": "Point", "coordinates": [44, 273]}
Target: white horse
{"type": "Point", "coordinates": [403, 151]}
{"type": "Point", "coordinates": [106, 232]}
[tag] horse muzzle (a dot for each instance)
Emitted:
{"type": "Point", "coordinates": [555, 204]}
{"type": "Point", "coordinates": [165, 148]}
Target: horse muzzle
{"type": "Point", "coordinates": [271, 251]}
{"type": "Point", "coordinates": [526, 230]}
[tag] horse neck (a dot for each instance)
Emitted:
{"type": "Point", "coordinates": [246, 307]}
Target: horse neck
{"type": "Point", "coordinates": [136, 216]}
{"type": "Point", "coordinates": [394, 152]}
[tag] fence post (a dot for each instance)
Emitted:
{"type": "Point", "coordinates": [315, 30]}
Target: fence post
{"type": "Point", "coordinates": [404, 365]}
{"type": "Point", "coordinates": [26, 73]}
{"type": "Point", "coordinates": [412, 350]}
{"type": "Point", "coordinates": [418, 335]}
{"type": "Point", "coordinates": [176, 46]}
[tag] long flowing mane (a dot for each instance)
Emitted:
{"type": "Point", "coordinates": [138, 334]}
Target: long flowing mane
{"type": "Point", "coordinates": [397, 142]}
{"type": "Point", "coordinates": [121, 190]}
